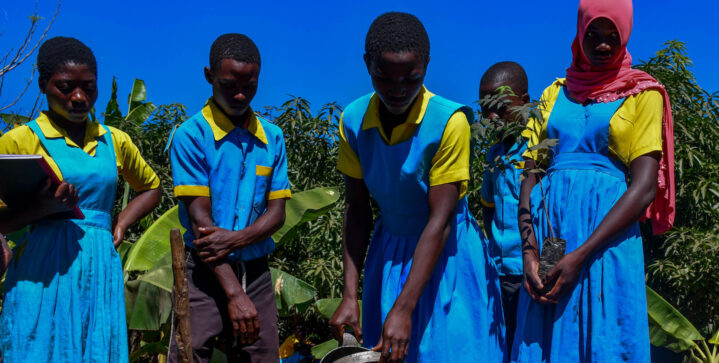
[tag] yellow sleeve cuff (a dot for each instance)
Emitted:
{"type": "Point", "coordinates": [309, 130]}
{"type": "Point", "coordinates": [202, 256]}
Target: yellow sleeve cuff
{"type": "Point", "coordinates": [456, 175]}
{"type": "Point", "coordinates": [153, 185]}
{"type": "Point", "coordinates": [192, 191]}
{"type": "Point", "coordinates": [279, 194]}
{"type": "Point", "coordinates": [347, 161]}
{"type": "Point", "coordinates": [644, 151]}
{"type": "Point", "coordinates": [349, 171]}
{"type": "Point", "coordinates": [486, 203]}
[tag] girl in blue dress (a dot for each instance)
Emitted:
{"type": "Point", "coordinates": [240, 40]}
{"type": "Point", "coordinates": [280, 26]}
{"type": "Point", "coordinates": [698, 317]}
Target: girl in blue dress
{"type": "Point", "coordinates": [612, 124]}
{"type": "Point", "coordinates": [431, 291]}
{"type": "Point", "coordinates": [64, 297]}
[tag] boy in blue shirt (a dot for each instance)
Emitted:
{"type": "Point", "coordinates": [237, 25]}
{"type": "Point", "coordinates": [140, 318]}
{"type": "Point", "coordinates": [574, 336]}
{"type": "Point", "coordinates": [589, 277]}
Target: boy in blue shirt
{"type": "Point", "coordinates": [500, 187]}
{"type": "Point", "coordinates": [229, 170]}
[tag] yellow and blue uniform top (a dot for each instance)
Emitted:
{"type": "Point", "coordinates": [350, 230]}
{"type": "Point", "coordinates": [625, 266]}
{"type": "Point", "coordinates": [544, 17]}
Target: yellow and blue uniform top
{"type": "Point", "coordinates": [500, 191]}
{"type": "Point", "coordinates": [635, 129]}
{"type": "Point", "coordinates": [450, 163]}
{"type": "Point", "coordinates": [238, 169]}
{"type": "Point", "coordinates": [130, 164]}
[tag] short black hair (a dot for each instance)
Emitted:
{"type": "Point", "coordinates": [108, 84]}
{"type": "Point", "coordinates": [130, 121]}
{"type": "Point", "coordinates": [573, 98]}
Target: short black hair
{"type": "Point", "coordinates": [507, 73]}
{"type": "Point", "coordinates": [58, 51]}
{"type": "Point", "coordinates": [234, 46]}
{"type": "Point", "coordinates": [396, 32]}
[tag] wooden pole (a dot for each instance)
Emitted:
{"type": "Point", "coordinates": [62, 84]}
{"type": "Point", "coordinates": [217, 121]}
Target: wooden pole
{"type": "Point", "coordinates": [181, 294]}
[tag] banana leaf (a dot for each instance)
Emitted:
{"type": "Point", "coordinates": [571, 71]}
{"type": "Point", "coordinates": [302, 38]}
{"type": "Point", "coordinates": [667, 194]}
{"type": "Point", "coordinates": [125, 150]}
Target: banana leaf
{"type": "Point", "coordinates": [154, 244]}
{"type": "Point", "coordinates": [320, 350]}
{"type": "Point", "coordinates": [668, 328]}
{"type": "Point", "coordinates": [303, 207]}
{"type": "Point", "coordinates": [147, 304]}
{"type": "Point", "coordinates": [327, 307]}
{"type": "Point", "coordinates": [291, 292]}
{"type": "Point", "coordinates": [715, 339]}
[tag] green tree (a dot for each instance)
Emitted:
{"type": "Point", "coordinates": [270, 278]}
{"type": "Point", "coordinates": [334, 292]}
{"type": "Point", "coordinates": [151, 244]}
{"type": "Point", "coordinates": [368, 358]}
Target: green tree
{"type": "Point", "coordinates": [682, 265]}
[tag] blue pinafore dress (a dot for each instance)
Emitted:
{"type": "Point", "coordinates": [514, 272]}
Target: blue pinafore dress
{"type": "Point", "coordinates": [604, 317]}
{"type": "Point", "coordinates": [65, 295]}
{"type": "Point", "coordinates": [458, 317]}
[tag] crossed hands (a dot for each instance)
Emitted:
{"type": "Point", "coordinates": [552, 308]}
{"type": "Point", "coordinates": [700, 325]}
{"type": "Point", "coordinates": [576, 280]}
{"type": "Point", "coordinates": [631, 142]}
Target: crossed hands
{"type": "Point", "coordinates": [217, 243]}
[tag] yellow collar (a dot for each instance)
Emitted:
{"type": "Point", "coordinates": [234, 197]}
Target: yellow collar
{"type": "Point", "coordinates": [51, 130]}
{"type": "Point", "coordinates": [416, 114]}
{"type": "Point", "coordinates": [221, 125]}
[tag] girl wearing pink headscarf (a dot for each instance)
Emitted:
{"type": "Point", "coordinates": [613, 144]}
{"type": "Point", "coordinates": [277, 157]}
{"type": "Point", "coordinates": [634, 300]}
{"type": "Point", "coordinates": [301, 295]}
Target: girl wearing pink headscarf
{"type": "Point", "coordinates": [612, 124]}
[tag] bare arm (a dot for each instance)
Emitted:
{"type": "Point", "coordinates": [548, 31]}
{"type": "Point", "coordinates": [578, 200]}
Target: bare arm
{"type": "Point", "coordinates": [355, 237]}
{"type": "Point", "coordinates": [140, 206]}
{"type": "Point", "coordinates": [397, 329]}
{"type": "Point", "coordinates": [530, 251]}
{"type": "Point", "coordinates": [623, 214]}
{"type": "Point", "coordinates": [242, 311]}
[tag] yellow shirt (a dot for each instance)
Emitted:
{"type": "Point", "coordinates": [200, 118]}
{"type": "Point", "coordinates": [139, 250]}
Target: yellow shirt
{"type": "Point", "coordinates": [130, 164]}
{"type": "Point", "coordinates": [449, 165]}
{"type": "Point", "coordinates": [634, 130]}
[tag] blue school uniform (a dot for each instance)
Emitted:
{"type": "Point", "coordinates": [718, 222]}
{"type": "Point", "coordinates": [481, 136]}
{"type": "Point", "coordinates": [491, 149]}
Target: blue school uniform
{"type": "Point", "coordinates": [65, 295]}
{"type": "Point", "coordinates": [458, 317]}
{"type": "Point", "coordinates": [604, 317]}
{"type": "Point", "coordinates": [500, 190]}
{"type": "Point", "coordinates": [239, 169]}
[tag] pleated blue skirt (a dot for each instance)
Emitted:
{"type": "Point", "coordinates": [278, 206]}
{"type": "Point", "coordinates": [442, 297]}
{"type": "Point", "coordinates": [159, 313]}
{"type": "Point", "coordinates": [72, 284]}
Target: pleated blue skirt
{"type": "Point", "coordinates": [458, 317]}
{"type": "Point", "coordinates": [604, 317]}
{"type": "Point", "coordinates": [64, 298]}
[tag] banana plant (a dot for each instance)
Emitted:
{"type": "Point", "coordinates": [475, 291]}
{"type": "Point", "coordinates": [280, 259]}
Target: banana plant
{"type": "Point", "coordinates": [668, 328]}
{"type": "Point", "coordinates": [138, 112]}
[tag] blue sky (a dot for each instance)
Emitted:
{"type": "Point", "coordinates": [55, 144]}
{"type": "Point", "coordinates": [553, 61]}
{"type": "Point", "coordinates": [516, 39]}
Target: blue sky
{"type": "Point", "coordinates": [314, 49]}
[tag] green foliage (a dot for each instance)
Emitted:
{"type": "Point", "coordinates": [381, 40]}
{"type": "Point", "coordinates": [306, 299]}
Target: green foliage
{"type": "Point", "coordinates": [291, 294]}
{"type": "Point", "coordinates": [312, 145]}
{"type": "Point", "coordinates": [320, 350]}
{"type": "Point", "coordinates": [149, 127]}
{"type": "Point", "coordinates": [314, 253]}
{"type": "Point", "coordinates": [696, 136]}
{"type": "Point", "coordinates": [147, 298]}
{"type": "Point", "coordinates": [154, 244]}
{"type": "Point", "coordinates": [304, 207]}
{"type": "Point", "coordinates": [683, 264]}
{"type": "Point", "coordinates": [668, 328]}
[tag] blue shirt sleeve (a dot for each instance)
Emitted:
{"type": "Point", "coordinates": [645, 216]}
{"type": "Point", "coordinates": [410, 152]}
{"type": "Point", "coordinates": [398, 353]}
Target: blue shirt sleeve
{"type": "Point", "coordinates": [190, 173]}
{"type": "Point", "coordinates": [280, 186]}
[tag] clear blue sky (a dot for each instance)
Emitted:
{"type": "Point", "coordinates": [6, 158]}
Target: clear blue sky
{"type": "Point", "coordinates": [314, 49]}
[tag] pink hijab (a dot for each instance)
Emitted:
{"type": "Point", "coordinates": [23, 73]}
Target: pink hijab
{"type": "Point", "coordinates": [586, 82]}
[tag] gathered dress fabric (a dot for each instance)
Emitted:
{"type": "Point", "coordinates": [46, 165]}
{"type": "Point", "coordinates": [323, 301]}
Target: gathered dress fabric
{"type": "Point", "coordinates": [458, 317]}
{"type": "Point", "coordinates": [65, 294]}
{"type": "Point", "coordinates": [603, 318]}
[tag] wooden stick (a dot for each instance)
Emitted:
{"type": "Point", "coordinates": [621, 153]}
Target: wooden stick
{"type": "Point", "coordinates": [181, 298]}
